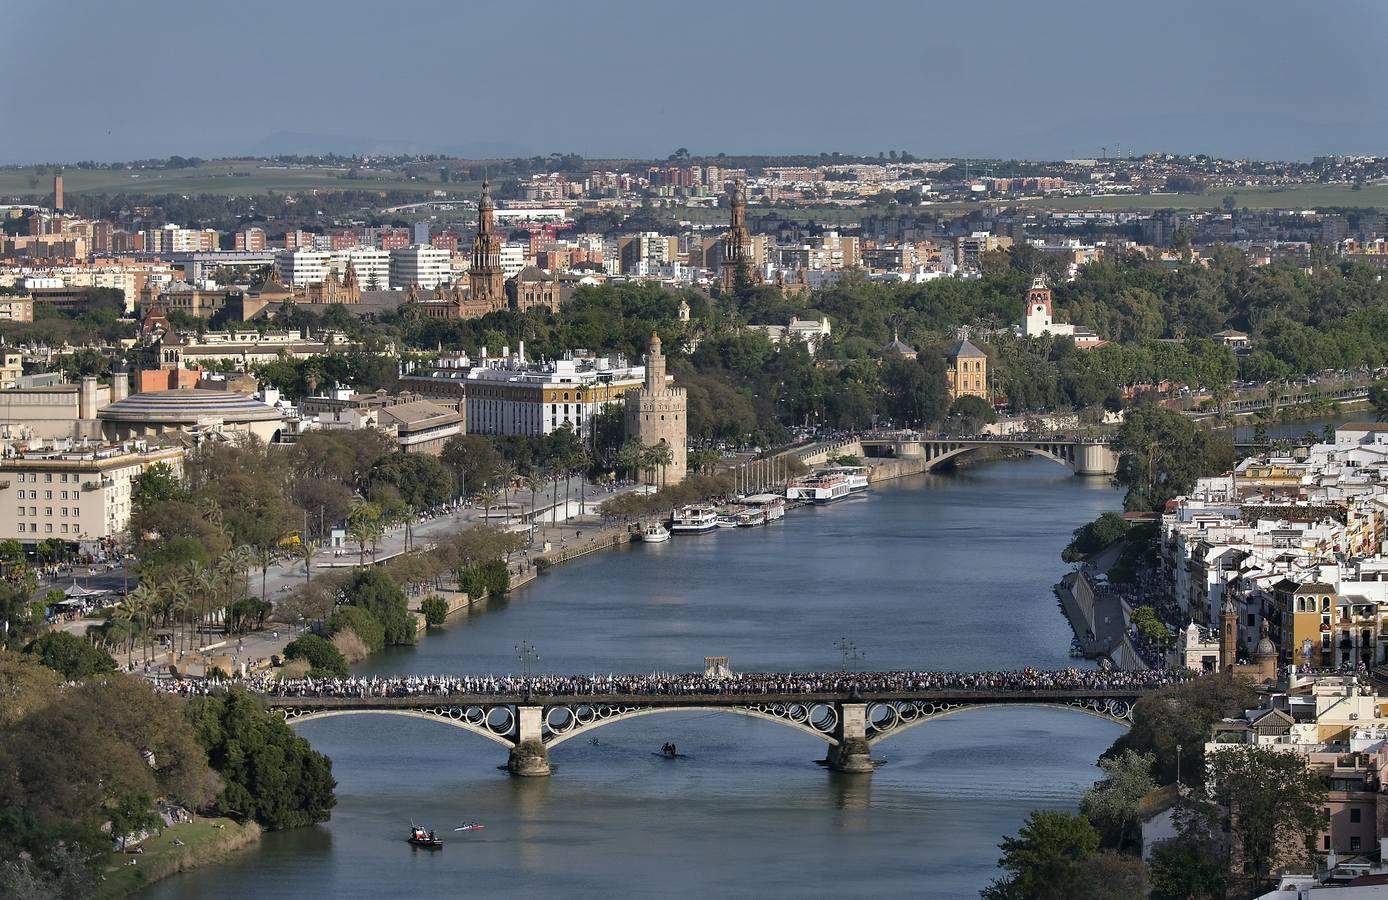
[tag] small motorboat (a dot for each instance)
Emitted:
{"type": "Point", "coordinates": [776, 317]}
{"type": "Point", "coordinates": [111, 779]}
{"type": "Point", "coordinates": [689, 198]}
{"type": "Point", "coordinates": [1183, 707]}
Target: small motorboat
{"type": "Point", "coordinates": [654, 534]}
{"type": "Point", "coordinates": [422, 837]}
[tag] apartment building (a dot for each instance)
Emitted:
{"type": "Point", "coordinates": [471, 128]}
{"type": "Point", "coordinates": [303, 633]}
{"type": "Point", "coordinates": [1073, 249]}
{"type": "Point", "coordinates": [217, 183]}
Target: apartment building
{"type": "Point", "coordinates": [80, 496]}
{"type": "Point", "coordinates": [423, 266]}
{"type": "Point", "coordinates": [508, 396]}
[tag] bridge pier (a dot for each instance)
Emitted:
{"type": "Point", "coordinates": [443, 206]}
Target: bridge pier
{"type": "Point", "coordinates": [851, 755]}
{"type": "Point", "coordinates": [529, 757]}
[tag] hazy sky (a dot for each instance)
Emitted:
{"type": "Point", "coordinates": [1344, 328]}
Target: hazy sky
{"type": "Point", "coordinates": [1271, 79]}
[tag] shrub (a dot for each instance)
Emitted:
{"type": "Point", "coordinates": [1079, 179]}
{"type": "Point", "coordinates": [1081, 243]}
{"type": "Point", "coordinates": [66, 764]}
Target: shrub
{"type": "Point", "coordinates": [352, 648]}
{"type": "Point", "coordinates": [324, 659]}
{"type": "Point", "coordinates": [359, 621]}
{"type": "Point", "coordinates": [374, 590]}
{"type": "Point", "coordinates": [70, 655]}
{"type": "Point", "coordinates": [435, 609]}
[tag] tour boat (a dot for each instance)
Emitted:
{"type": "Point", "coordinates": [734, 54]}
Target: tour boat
{"type": "Point", "coordinates": [420, 837]}
{"type": "Point", "coordinates": [751, 517]}
{"type": "Point", "coordinates": [654, 533]}
{"type": "Point", "coordinates": [728, 517]}
{"type": "Point", "coordinates": [822, 489]}
{"type": "Point", "coordinates": [695, 519]}
{"type": "Point", "coordinates": [771, 505]}
{"type": "Point", "coordinates": [856, 476]}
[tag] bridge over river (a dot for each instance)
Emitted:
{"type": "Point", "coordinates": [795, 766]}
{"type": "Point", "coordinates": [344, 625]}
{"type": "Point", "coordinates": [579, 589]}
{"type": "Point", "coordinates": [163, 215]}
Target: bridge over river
{"type": "Point", "coordinates": [1082, 455]}
{"type": "Point", "coordinates": [851, 715]}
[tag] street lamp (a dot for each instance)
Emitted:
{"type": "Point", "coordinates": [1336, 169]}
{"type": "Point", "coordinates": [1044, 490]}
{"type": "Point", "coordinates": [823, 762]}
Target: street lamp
{"type": "Point", "coordinates": [527, 654]}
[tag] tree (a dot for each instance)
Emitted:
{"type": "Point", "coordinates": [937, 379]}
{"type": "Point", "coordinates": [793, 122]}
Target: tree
{"type": "Point", "coordinates": [324, 660]}
{"type": "Point", "coordinates": [435, 610]}
{"type": "Point", "coordinates": [271, 774]}
{"type": "Point", "coordinates": [472, 458]}
{"type": "Point", "coordinates": [1112, 805]}
{"type": "Point", "coordinates": [1183, 715]}
{"type": "Point", "coordinates": [157, 484]}
{"type": "Point", "coordinates": [359, 621]}
{"type": "Point", "coordinates": [374, 590]}
{"type": "Point", "coordinates": [1378, 398]}
{"type": "Point", "coordinates": [363, 525]}
{"type": "Point", "coordinates": [70, 655]}
{"type": "Point", "coordinates": [1095, 536]}
{"type": "Point", "coordinates": [1275, 805]}
{"type": "Point", "coordinates": [971, 414]}
{"type": "Point", "coordinates": [1162, 453]}
{"type": "Point", "coordinates": [1045, 858]}
{"type": "Point", "coordinates": [1150, 625]}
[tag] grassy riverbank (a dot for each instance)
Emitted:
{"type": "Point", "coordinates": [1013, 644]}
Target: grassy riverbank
{"type": "Point", "coordinates": [205, 841]}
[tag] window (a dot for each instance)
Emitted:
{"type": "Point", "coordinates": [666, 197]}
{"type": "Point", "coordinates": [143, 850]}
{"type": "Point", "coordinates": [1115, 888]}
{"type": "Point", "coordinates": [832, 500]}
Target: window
{"type": "Point", "coordinates": [21, 527]}
{"type": "Point", "coordinates": [48, 510]}
{"type": "Point", "coordinates": [1325, 844]}
{"type": "Point", "coordinates": [48, 495]}
{"type": "Point", "coordinates": [48, 527]}
{"type": "Point", "coordinates": [1251, 623]}
{"type": "Point", "coordinates": [47, 476]}
{"type": "Point", "coordinates": [1354, 815]}
{"type": "Point", "coordinates": [1354, 841]}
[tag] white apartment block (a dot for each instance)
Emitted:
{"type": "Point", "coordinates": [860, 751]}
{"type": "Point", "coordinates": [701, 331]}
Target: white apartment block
{"type": "Point", "coordinates": [371, 266]}
{"type": "Point", "coordinates": [79, 496]}
{"type": "Point", "coordinates": [427, 267]}
{"type": "Point", "coordinates": [303, 267]}
{"type": "Point", "coordinates": [513, 258]}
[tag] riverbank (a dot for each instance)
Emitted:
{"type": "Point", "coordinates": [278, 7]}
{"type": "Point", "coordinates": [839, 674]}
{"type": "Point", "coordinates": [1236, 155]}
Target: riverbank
{"type": "Point", "coordinates": [199, 843]}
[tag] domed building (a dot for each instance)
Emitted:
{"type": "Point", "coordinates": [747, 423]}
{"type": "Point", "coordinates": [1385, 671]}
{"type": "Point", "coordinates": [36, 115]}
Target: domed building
{"type": "Point", "coordinates": [190, 410]}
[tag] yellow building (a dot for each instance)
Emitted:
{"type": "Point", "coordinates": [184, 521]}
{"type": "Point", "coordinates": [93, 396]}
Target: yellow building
{"type": "Point", "coordinates": [966, 372]}
{"type": "Point", "coordinates": [1306, 612]}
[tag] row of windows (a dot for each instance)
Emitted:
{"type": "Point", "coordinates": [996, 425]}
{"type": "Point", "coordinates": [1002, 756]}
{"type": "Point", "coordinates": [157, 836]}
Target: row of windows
{"type": "Point", "coordinates": [33, 477]}
{"type": "Point", "coordinates": [48, 495]}
{"type": "Point", "coordinates": [48, 511]}
{"type": "Point", "coordinates": [33, 528]}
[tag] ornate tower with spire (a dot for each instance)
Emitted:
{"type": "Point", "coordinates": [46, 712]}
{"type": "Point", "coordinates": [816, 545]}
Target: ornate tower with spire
{"type": "Point", "coordinates": [656, 415]}
{"type": "Point", "coordinates": [736, 262]}
{"type": "Point", "coordinates": [486, 281]}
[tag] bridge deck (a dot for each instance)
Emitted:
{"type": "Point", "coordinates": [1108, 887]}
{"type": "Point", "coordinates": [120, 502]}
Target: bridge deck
{"type": "Point", "coordinates": [951, 695]}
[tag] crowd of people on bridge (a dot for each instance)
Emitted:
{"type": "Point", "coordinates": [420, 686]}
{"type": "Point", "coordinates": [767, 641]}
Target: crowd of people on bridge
{"type": "Point", "coordinates": [701, 685]}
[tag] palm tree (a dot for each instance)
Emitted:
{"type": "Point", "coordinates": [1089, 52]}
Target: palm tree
{"type": "Point", "coordinates": [536, 483]}
{"type": "Point", "coordinates": [629, 456]}
{"type": "Point", "coordinates": [265, 557]}
{"type": "Point", "coordinates": [134, 610]}
{"type": "Point", "coordinates": [650, 461]}
{"type": "Point", "coordinates": [198, 579]}
{"type": "Point", "coordinates": [363, 524]}
{"type": "Point", "coordinates": [487, 497]}
{"type": "Point", "coordinates": [305, 551]}
{"type": "Point", "coordinates": [663, 455]}
{"type": "Point", "coordinates": [505, 472]}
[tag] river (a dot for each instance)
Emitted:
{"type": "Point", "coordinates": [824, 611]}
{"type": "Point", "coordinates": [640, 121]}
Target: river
{"type": "Point", "coordinates": [950, 571]}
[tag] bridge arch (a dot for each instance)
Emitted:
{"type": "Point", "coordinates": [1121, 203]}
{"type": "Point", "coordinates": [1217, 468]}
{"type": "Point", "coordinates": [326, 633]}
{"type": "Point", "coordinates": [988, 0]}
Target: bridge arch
{"type": "Point", "coordinates": [908, 714]}
{"type": "Point", "coordinates": [1030, 450]}
{"type": "Point", "coordinates": [821, 720]}
{"type": "Point", "coordinates": [294, 716]}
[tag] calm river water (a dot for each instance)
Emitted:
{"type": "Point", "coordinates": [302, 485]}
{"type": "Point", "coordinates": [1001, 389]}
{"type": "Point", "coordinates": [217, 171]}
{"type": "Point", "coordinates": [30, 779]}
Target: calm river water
{"type": "Point", "coordinates": [947, 572]}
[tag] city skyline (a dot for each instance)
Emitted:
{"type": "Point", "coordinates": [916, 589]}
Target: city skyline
{"type": "Point", "coordinates": [944, 81]}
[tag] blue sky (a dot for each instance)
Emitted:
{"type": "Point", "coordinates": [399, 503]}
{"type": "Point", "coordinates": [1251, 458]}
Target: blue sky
{"type": "Point", "coordinates": [92, 79]}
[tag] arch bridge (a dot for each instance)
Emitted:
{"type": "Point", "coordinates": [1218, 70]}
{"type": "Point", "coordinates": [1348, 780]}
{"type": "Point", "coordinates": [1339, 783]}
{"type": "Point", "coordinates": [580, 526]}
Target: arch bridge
{"type": "Point", "coordinates": [1084, 456]}
{"type": "Point", "coordinates": [849, 722]}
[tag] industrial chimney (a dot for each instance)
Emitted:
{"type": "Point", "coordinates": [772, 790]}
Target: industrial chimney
{"type": "Point", "coordinates": [58, 191]}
